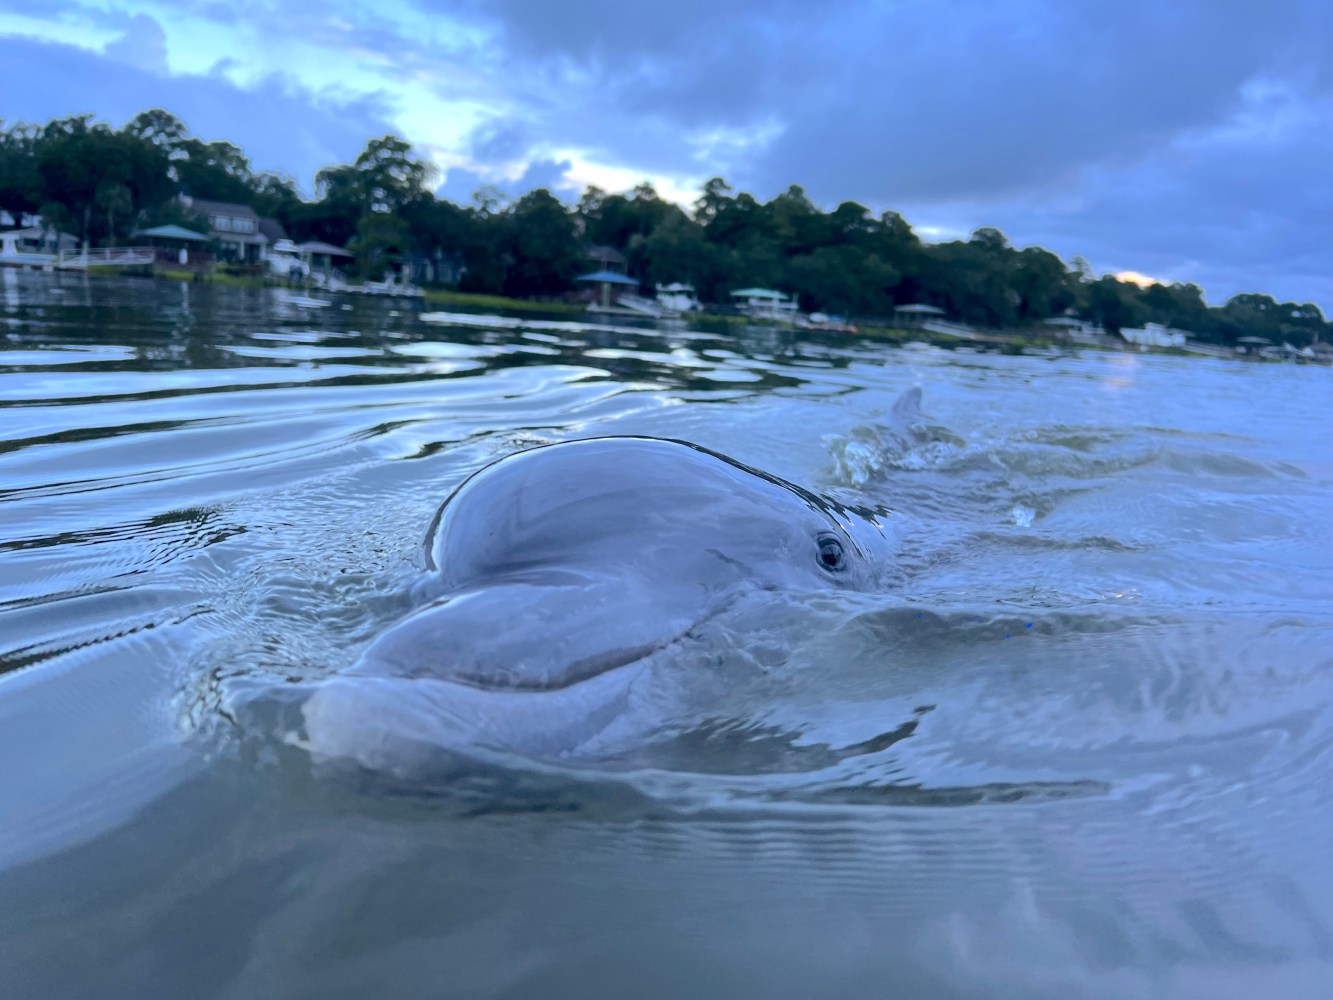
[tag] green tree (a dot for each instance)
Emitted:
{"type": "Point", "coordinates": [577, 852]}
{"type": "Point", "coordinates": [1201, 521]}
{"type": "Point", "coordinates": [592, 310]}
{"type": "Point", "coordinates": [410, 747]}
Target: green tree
{"type": "Point", "coordinates": [158, 128]}
{"type": "Point", "coordinates": [383, 178]}
{"type": "Point", "coordinates": [56, 218]}
{"type": "Point", "coordinates": [1044, 285]}
{"type": "Point", "coordinates": [796, 224]}
{"type": "Point", "coordinates": [1177, 305]}
{"type": "Point", "coordinates": [1115, 304]}
{"type": "Point", "coordinates": [853, 225]}
{"type": "Point", "coordinates": [622, 221]}
{"type": "Point", "coordinates": [388, 176]}
{"type": "Point", "coordinates": [113, 198]}
{"type": "Point", "coordinates": [1302, 324]}
{"type": "Point", "coordinates": [712, 201]}
{"type": "Point", "coordinates": [842, 279]}
{"type": "Point", "coordinates": [76, 159]}
{"type": "Point", "coordinates": [678, 250]}
{"type": "Point", "coordinates": [275, 195]}
{"type": "Point", "coordinates": [20, 183]}
{"type": "Point", "coordinates": [381, 239]}
{"type": "Point", "coordinates": [214, 171]}
{"type": "Point", "coordinates": [545, 246]}
{"type": "Point", "coordinates": [174, 212]}
{"type": "Point", "coordinates": [973, 280]}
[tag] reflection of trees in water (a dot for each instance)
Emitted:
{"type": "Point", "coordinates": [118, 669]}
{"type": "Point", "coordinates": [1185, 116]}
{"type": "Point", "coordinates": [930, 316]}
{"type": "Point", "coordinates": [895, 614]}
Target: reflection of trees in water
{"type": "Point", "coordinates": [175, 327]}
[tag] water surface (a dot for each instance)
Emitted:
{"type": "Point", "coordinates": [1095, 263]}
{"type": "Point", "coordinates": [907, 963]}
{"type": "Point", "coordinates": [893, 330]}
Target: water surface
{"type": "Point", "coordinates": [1080, 745]}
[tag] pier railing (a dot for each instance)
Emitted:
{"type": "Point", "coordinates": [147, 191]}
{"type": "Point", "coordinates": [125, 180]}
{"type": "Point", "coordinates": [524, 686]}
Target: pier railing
{"type": "Point", "coordinates": [105, 257]}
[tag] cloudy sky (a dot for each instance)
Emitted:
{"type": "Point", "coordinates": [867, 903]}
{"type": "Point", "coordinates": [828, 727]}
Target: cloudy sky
{"type": "Point", "coordinates": [1188, 140]}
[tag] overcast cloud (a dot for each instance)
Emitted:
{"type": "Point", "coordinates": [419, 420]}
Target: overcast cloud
{"type": "Point", "coordinates": [1187, 140]}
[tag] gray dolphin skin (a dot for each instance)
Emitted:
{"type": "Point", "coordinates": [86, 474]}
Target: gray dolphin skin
{"type": "Point", "coordinates": [565, 568]}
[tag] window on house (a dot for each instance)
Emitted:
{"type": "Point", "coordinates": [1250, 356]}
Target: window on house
{"type": "Point", "coordinates": [222, 223]}
{"type": "Point", "coordinates": [243, 225]}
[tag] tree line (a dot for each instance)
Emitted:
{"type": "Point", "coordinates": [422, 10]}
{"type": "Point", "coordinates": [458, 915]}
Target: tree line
{"type": "Point", "coordinates": [102, 184]}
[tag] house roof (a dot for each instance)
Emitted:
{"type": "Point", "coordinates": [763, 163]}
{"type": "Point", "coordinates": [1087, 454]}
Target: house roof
{"type": "Point", "coordinates": [27, 231]}
{"type": "Point", "coordinates": [317, 246]}
{"type": "Point", "coordinates": [605, 255]}
{"type": "Point", "coordinates": [174, 232]}
{"type": "Point", "coordinates": [272, 228]}
{"type": "Point", "coordinates": [759, 293]}
{"type": "Point", "coordinates": [232, 208]}
{"type": "Point", "coordinates": [610, 277]}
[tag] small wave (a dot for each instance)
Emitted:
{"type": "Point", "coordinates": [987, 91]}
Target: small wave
{"type": "Point", "coordinates": [64, 356]}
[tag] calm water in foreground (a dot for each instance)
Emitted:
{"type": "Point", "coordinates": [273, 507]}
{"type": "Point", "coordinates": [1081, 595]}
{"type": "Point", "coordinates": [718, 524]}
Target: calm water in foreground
{"type": "Point", "coordinates": [1080, 746]}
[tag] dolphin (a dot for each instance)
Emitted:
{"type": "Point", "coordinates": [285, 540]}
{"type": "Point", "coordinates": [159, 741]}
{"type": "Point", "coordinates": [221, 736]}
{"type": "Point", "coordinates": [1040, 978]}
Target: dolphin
{"type": "Point", "coordinates": [565, 571]}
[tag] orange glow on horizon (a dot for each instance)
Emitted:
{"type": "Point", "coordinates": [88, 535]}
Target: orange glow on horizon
{"type": "Point", "coordinates": [1135, 278]}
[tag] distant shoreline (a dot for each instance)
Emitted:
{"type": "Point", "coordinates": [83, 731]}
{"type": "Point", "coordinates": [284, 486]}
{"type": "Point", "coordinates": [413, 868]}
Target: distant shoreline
{"type": "Point", "coordinates": [1009, 341]}
{"type": "Point", "coordinates": [1014, 340]}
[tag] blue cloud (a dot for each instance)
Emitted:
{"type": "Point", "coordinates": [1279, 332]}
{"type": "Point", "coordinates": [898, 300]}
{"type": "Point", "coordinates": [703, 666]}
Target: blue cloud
{"type": "Point", "coordinates": [279, 124]}
{"type": "Point", "coordinates": [460, 184]}
{"type": "Point", "coordinates": [143, 45]}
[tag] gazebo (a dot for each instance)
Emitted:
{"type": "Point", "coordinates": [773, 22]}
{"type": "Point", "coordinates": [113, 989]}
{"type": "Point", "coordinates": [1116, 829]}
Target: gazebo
{"type": "Point", "coordinates": [764, 303]}
{"type": "Point", "coordinates": [177, 243]}
{"type": "Point", "coordinates": [323, 254]}
{"type": "Point", "coordinates": [323, 259]}
{"type": "Point", "coordinates": [606, 279]}
{"type": "Point", "coordinates": [1252, 346]}
{"type": "Point", "coordinates": [915, 314]}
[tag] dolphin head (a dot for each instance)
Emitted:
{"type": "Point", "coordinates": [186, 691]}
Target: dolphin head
{"type": "Point", "coordinates": [569, 560]}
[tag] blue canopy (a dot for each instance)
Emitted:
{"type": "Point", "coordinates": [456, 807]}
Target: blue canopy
{"type": "Point", "coordinates": [175, 233]}
{"type": "Point", "coordinates": [610, 277]}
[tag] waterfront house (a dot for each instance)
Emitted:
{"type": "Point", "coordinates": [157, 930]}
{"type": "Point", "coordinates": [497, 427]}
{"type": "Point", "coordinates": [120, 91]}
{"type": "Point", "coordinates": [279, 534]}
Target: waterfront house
{"type": "Point", "coordinates": [233, 228]}
{"type": "Point", "coordinates": [765, 304]}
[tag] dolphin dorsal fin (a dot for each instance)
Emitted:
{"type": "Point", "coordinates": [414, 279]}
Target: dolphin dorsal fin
{"type": "Point", "coordinates": [908, 408]}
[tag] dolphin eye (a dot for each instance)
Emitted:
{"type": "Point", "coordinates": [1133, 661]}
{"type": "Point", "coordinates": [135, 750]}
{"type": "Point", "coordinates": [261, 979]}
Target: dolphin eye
{"type": "Point", "coordinates": [831, 555]}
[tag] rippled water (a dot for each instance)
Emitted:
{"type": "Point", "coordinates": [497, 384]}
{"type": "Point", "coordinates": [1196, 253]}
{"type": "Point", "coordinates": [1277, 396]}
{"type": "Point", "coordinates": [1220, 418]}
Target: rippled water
{"type": "Point", "coordinates": [1080, 744]}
